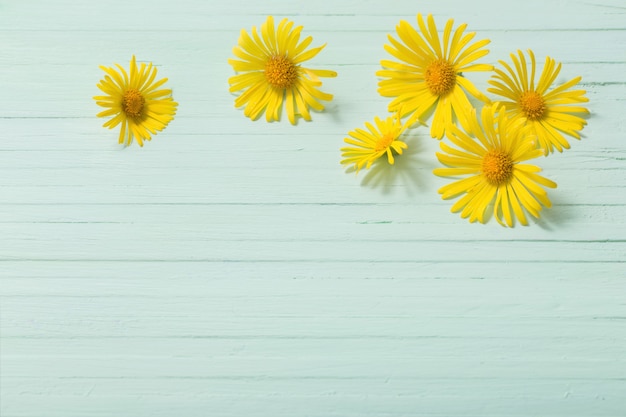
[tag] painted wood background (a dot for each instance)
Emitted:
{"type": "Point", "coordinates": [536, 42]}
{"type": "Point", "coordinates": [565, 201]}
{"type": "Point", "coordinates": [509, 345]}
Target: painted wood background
{"type": "Point", "coordinates": [232, 268]}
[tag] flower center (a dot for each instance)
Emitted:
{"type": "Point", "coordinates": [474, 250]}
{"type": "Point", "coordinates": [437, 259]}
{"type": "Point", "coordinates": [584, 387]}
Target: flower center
{"type": "Point", "coordinates": [440, 77]}
{"type": "Point", "coordinates": [532, 105]}
{"type": "Point", "coordinates": [280, 72]}
{"type": "Point", "coordinates": [384, 142]}
{"type": "Point", "coordinates": [497, 167]}
{"type": "Point", "coordinates": [133, 103]}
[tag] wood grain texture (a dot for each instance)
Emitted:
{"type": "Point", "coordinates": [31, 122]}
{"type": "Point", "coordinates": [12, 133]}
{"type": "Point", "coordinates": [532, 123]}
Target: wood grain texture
{"type": "Point", "coordinates": [231, 268]}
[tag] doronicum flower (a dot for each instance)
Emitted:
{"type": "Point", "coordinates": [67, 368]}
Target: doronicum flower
{"type": "Point", "coordinates": [492, 164]}
{"type": "Point", "coordinates": [550, 114]}
{"type": "Point", "coordinates": [380, 138]}
{"type": "Point", "coordinates": [270, 73]}
{"type": "Point", "coordinates": [135, 101]}
{"type": "Point", "coordinates": [429, 72]}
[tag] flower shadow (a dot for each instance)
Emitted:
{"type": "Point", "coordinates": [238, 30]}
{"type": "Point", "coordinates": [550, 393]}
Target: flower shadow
{"type": "Point", "coordinates": [333, 111]}
{"type": "Point", "coordinates": [556, 216]}
{"type": "Point", "coordinates": [406, 173]}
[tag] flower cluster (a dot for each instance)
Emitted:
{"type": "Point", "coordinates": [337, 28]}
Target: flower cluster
{"type": "Point", "coordinates": [529, 118]}
{"type": "Point", "coordinates": [490, 139]}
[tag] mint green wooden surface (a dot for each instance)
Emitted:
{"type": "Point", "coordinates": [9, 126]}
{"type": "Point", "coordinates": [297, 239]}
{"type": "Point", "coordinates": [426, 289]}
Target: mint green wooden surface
{"type": "Point", "coordinates": [231, 268]}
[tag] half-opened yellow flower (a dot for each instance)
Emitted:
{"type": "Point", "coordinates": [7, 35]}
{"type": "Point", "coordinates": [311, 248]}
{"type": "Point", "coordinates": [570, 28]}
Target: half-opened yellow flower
{"type": "Point", "coordinates": [380, 138]}
{"type": "Point", "coordinates": [551, 114]}
{"type": "Point", "coordinates": [492, 165]}
{"type": "Point", "coordinates": [269, 73]}
{"type": "Point", "coordinates": [135, 101]}
{"type": "Point", "coordinates": [429, 72]}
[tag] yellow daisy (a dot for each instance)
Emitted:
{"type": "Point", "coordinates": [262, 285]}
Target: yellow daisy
{"type": "Point", "coordinates": [135, 101]}
{"type": "Point", "coordinates": [429, 72]}
{"type": "Point", "coordinates": [270, 73]}
{"type": "Point", "coordinates": [492, 164]}
{"type": "Point", "coordinates": [549, 113]}
{"type": "Point", "coordinates": [368, 146]}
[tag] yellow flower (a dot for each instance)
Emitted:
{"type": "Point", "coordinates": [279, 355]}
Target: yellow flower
{"type": "Point", "coordinates": [492, 165]}
{"type": "Point", "coordinates": [270, 73]}
{"type": "Point", "coordinates": [368, 146]}
{"type": "Point", "coordinates": [429, 73]}
{"type": "Point", "coordinates": [549, 113]}
{"type": "Point", "coordinates": [135, 101]}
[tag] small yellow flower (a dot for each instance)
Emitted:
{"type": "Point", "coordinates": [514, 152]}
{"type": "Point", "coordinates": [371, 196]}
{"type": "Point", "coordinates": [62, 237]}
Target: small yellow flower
{"type": "Point", "coordinates": [135, 101]}
{"type": "Point", "coordinates": [549, 113]}
{"type": "Point", "coordinates": [270, 73]}
{"type": "Point", "coordinates": [429, 72]}
{"type": "Point", "coordinates": [369, 145]}
{"type": "Point", "coordinates": [492, 164]}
